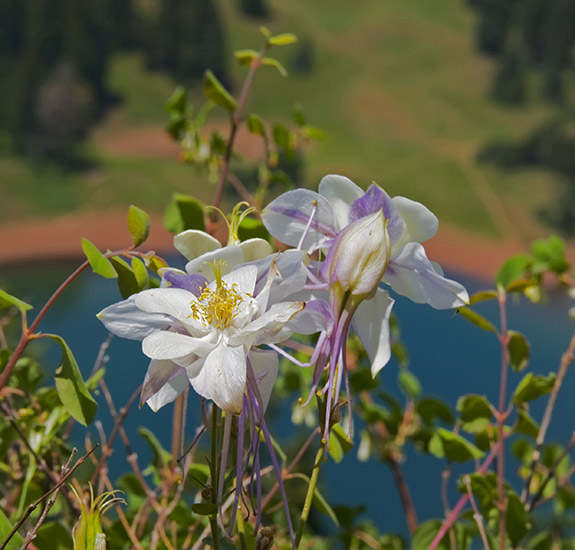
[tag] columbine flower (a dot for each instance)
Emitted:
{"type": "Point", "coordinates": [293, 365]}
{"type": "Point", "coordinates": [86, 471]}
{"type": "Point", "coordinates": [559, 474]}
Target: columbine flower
{"type": "Point", "coordinates": [201, 334]}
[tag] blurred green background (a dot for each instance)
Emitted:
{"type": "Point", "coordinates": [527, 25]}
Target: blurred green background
{"type": "Point", "coordinates": [467, 106]}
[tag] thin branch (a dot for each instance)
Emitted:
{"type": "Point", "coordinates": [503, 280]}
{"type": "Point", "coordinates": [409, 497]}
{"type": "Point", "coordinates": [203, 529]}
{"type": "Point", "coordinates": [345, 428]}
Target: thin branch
{"type": "Point", "coordinates": [476, 515]}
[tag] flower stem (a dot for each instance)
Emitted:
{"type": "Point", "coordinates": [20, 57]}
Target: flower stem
{"type": "Point", "coordinates": [319, 457]}
{"type": "Point", "coordinates": [214, 475]}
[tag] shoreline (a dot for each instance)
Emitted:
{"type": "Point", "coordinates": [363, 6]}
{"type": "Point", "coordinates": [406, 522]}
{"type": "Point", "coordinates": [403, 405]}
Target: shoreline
{"type": "Point", "coordinates": [456, 250]}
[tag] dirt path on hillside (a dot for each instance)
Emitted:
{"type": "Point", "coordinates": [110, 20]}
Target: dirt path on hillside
{"type": "Point", "coordinates": [60, 238]}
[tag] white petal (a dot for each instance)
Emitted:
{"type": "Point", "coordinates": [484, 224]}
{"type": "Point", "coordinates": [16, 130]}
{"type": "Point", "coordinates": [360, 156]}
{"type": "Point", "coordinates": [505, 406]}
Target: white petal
{"type": "Point", "coordinates": [193, 243]}
{"type": "Point", "coordinates": [265, 365]}
{"type": "Point", "coordinates": [244, 277]}
{"type": "Point", "coordinates": [159, 373]}
{"type": "Point", "coordinates": [287, 217]}
{"type": "Point", "coordinates": [223, 378]}
{"type": "Point", "coordinates": [126, 320]}
{"type": "Point", "coordinates": [420, 223]}
{"type": "Point", "coordinates": [255, 249]}
{"type": "Point", "coordinates": [171, 301]}
{"type": "Point", "coordinates": [267, 328]}
{"type": "Point", "coordinates": [371, 323]}
{"type": "Point", "coordinates": [230, 255]}
{"type": "Point", "coordinates": [413, 275]}
{"type": "Point", "coordinates": [164, 344]}
{"type": "Point", "coordinates": [169, 391]}
{"type": "Point", "coordinates": [340, 192]}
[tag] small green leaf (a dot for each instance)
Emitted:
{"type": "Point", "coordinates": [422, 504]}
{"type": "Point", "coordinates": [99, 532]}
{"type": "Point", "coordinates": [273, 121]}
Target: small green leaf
{"type": "Point", "coordinates": [323, 506]}
{"type": "Point", "coordinates": [482, 296]}
{"type": "Point", "coordinates": [281, 135]}
{"type": "Point", "coordinates": [409, 384]}
{"type": "Point", "coordinates": [283, 39]}
{"type": "Point", "coordinates": [475, 412]}
{"type": "Point", "coordinates": [517, 523]}
{"type": "Point", "coordinates": [70, 385]}
{"type": "Point", "coordinates": [452, 446]}
{"type": "Point", "coordinates": [311, 132]}
{"type": "Point", "coordinates": [298, 115]}
{"type": "Point", "coordinates": [215, 91]}
{"type": "Point", "coordinates": [140, 273]}
{"type": "Point", "coordinates": [99, 263]}
{"type": "Point", "coordinates": [272, 62]}
{"type": "Point", "coordinates": [265, 31]}
{"type": "Point", "coordinates": [245, 57]}
{"type": "Point", "coordinates": [5, 527]}
{"type": "Point", "coordinates": [476, 319]}
{"type": "Point", "coordinates": [521, 285]}
{"type": "Point", "coordinates": [431, 408]}
{"type": "Point", "coordinates": [160, 457]}
{"type": "Point", "coordinates": [127, 282]}
{"type": "Point", "coordinates": [525, 424]}
{"type": "Point", "coordinates": [339, 444]}
{"type": "Point", "coordinates": [519, 350]}
{"type": "Point", "coordinates": [251, 228]}
{"type": "Point", "coordinates": [426, 532]}
{"type": "Point", "coordinates": [256, 125]}
{"type": "Point", "coordinates": [178, 101]}
{"type": "Point", "coordinates": [184, 212]}
{"type": "Point", "coordinates": [533, 386]}
{"type": "Point", "coordinates": [7, 300]}
{"type": "Point", "coordinates": [513, 268]}
{"type": "Point", "coordinates": [55, 536]}
{"type": "Point", "coordinates": [205, 508]}
{"type": "Point", "coordinates": [138, 224]}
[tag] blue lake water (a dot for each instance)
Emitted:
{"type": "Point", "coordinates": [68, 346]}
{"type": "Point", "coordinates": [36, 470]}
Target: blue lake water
{"type": "Point", "coordinates": [449, 356]}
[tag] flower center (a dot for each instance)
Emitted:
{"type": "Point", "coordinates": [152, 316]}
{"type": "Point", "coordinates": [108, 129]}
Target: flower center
{"type": "Point", "coordinates": [217, 307]}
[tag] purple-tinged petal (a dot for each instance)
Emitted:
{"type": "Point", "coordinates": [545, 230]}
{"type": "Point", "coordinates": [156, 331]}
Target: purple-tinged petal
{"type": "Point", "coordinates": [126, 320]}
{"type": "Point", "coordinates": [341, 192]}
{"type": "Point", "coordinates": [168, 392]}
{"type": "Point", "coordinates": [192, 283]}
{"type": "Point", "coordinates": [376, 199]}
{"type": "Point", "coordinates": [411, 274]}
{"type": "Point", "coordinates": [159, 373]}
{"type": "Point", "coordinates": [222, 378]}
{"type": "Point", "coordinates": [287, 218]}
{"type": "Point", "coordinates": [315, 317]}
{"type": "Point", "coordinates": [371, 323]}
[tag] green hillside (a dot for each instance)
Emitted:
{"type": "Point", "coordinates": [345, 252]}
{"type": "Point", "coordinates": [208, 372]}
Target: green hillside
{"type": "Point", "coordinates": [397, 86]}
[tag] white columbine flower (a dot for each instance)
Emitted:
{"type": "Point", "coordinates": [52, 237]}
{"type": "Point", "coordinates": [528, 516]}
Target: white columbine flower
{"type": "Point", "coordinates": [202, 335]}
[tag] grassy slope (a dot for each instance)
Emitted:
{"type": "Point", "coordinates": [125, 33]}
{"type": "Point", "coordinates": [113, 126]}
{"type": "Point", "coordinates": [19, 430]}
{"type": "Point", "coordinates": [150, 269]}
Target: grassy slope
{"type": "Point", "coordinates": [396, 85]}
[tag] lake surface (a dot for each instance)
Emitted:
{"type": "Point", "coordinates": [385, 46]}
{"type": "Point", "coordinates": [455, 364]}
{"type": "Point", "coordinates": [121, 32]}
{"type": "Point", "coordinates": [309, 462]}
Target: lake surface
{"type": "Point", "coordinates": [449, 355]}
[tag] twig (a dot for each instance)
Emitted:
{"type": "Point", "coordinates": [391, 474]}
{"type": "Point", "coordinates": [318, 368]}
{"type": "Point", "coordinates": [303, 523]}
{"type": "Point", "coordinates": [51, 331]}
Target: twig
{"type": "Point", "coordinates": [566, 360]}
{"type": "Point", "coordinates": [35, 504]}
{"type": "Point", "coordinates": [476, 515]}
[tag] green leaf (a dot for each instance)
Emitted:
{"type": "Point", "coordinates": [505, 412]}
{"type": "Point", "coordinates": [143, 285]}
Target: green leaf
{"type": "Point", "coordinates": [184, 212]}
{"type": "Point", "coordinates": [323, 506]}
{"type": "Point", "coordinates": [245, 57]}
{"type": "Point", "coordinates": [452, 446]}
{"type": "Point", "coordinates": [160, 457]}
{"type": "Point", "coordinates": [426, 532]}
{"type": "Point", "coordinates": [265, 31]}
{"type": "Point", "coordinates": [475, 413]}
{"type": "Point", "coordinates": [251, 228]}
{"type": "Point", "coordinates": [70, 385]}
{"type": "Point", "coordinates": [519, 350]}
{"type": "Point", "coordinates": [127, 282]}
{"type": "Point", "coordinates": [311, 132]}
{"type": "Point", "coordinates": [281, 135]}
{"type": "Point", "coordinates": [205, 508]}
{"type": "Point", "coordinates": [298, 115]}
{"type": "Point", "coordinates": [533, 386]}
{"type": "Point", "coordinates": [215, 91]}
{"type": "Point", "coordinates": [283, 39]}
{"type": "Point", "coordinates": [513, 268]}
{"type": "Point", "coordinates": [55, 536]}
{"type": "Point", "coordinates": [7, 300]}
{"type": "Point", "coordinates": [178, 101]}
{"type": "Point", "coordinates": [256, 125]}
{"type": "Point", "coordinates": [521, 285]}
{"type": "Point", "coordinates": [517, 523]}
{"type": "Point", "coordinates": [431, 408]}
{"type": "Point", "coordinates": [5, 527]}
{"type": "Point", "coordinates": [272, 62]}
{"type": "Point", "coordinates": [482, 296]}
{"type": "Point", "coordinates": [138, 224]}
{"type": "Point", "coordinates": [526, 424]}
{"type": "Point", "coordinates": [409, 384]}
{"type": "Point", "coordinates": [140, 273]}
{"type": "Point", "coordinates": [99, 263]}
{"type": "Point", "coordinates": [476, 319]}
{"type": "Point", "coordinates": [339, 444]}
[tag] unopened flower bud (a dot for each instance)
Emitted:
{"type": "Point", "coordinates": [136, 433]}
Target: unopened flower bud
{"type": "Point", "coordinates": [359, 256]}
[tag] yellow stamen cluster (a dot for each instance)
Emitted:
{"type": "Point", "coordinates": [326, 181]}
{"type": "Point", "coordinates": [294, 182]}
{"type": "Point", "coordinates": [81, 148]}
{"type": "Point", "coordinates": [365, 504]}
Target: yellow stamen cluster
{"type": "Point", "coordinates": [217, 307]}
